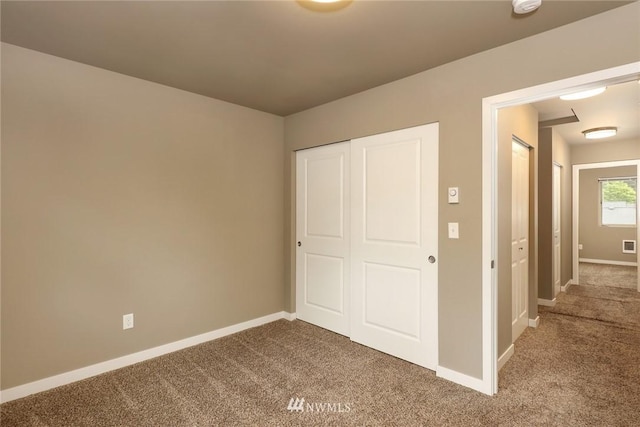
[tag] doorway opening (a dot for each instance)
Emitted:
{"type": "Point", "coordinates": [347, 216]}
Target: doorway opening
{"type": "Point", "coordinates": [490, 108]}
{"type": "Point", "coordinates": [597, 223]}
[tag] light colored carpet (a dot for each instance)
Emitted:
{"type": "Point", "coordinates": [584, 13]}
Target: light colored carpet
{"type": "Point", "coordinates": [616, 306]}
{"type": "Point", "coordinates": [574, 370]}
{"type": "Point", "coordinates": [616, 276]}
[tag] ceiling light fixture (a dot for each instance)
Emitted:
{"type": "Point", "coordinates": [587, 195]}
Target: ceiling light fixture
{"type": "Point", "coordinates": [324, 5]}
{"type": "Point", "coordinates": [583, 94]}
{"type": "Point", "coordinates": [598, 133]}
{"type": "Point", "coordinates": [522, 7]}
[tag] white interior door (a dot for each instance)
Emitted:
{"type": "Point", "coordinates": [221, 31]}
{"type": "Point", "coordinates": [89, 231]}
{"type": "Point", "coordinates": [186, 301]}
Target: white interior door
{"type": "Point", "coordinates": [557, 219]}
{"type": "Point", "coordinates": [323, 234]}
{"type": "Point", "coordinates": [519, 238]}
{"type": "Point", "coordinates": [394, 214]}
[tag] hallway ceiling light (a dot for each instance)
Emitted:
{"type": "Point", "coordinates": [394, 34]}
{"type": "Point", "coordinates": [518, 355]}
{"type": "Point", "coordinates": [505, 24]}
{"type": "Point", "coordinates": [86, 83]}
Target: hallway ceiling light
{"type": "Point", "coordinates": [583, 94]}
{"type": "Point", "coordinates": [522, 7]}
{"type": "Point", "coordinates": [598, 133]}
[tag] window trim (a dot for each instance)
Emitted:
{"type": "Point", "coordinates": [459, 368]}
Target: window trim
{"type": "Point", "coordinates": [601, 201]}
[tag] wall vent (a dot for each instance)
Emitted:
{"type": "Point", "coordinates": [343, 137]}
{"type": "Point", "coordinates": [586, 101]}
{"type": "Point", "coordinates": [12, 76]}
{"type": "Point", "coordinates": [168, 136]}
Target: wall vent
{"type": "Point", "coordinates": [628, 246]}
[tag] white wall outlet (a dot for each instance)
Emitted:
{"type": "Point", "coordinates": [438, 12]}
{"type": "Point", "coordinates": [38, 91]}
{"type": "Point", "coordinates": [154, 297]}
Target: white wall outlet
{"type": "Point", "coordinates": [580, 247]}
{"type": "Point", "coordinates": [127, 321]}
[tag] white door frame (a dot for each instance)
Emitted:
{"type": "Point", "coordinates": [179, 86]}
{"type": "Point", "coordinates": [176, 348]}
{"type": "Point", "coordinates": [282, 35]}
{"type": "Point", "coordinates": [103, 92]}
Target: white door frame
{"type": "Point", "coordinates": [490, 107]}
{"type": "Point", "coordinates": [576, 212]}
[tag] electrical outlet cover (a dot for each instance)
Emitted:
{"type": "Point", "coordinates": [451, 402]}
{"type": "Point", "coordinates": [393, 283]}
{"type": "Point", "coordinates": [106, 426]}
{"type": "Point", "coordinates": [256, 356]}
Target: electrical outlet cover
{"type": "Point", "coordinates": [127, 321]}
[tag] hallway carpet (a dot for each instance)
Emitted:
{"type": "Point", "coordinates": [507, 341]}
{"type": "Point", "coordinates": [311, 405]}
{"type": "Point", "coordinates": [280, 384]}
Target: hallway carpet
{"type": "Point", "coordinates": [617, 276]}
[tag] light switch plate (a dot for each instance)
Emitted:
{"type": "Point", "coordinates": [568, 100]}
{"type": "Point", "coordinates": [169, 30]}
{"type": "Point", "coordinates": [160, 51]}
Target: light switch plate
{"type": "Point", "coordinates": [454, 195]}
{"type": "Point", "coordinates": [454, 231]}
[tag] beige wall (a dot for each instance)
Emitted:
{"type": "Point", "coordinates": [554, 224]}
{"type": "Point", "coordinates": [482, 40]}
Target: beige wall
{"type": "Point", "coordinates": [553, 149]}
{"type": "Point", "coordinates": [545, 214]}
{"type": "Point", "coordinates": [562, 156]}
{"type": "Point", "coordinates": [605, 151]}
{"type": "Point", "coordinates": [522, 122]}
{"type": "Point", "coordinates": [599, 242]}
{"type": "Point", "coordinates": [452, 95]}
{"type": "Point", "coordinates": [123, 196]}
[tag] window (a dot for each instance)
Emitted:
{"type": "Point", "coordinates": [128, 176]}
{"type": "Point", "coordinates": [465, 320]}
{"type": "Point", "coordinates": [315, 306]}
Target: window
{"type": "Point", "coordinates": [618, 199]}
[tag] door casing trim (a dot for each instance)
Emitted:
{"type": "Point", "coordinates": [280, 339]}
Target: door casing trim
{"type": "Point", "coordinates": [490, 106]}
{"type": "Point", "coordinates": [575, 215]}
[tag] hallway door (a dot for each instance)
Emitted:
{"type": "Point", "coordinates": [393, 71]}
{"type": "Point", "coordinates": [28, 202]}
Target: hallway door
{"type": "Point", "coordinates": [519, 238]}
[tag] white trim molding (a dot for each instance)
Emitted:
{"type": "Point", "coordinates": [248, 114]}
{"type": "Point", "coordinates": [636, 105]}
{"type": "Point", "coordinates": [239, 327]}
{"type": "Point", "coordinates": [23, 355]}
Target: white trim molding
{"type": "Point", "coordinates": [566, 287]}
{"type": "Point", "coordinates": [460, 378]}
{"type": "Point", "coordinates": [575, 198]}
{"type": "Point", "coordinates": [504, 358]}
{"type": "Point", "coordinates": [289, 316]}
{"type": "Point", "coordinates": [130, 359]}
{"type": "Point", "coordinates": [546, 303]}
{"type": "Point", "coordinates": [608, 262]}
{"type": "Point", "coordinates": [534, 323]}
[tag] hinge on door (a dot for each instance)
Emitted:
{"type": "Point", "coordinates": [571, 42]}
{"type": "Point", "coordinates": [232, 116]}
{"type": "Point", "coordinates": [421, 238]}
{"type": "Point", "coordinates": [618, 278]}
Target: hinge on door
{"type": "Point", "coordinates": [493, 264]}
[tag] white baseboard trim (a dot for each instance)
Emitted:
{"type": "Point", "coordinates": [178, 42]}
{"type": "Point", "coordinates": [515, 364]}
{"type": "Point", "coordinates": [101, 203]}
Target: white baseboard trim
{"type": "Point", "coordinates": [567, 286]}
{"type": "Point", "coordinates": [604, 261]}
{"type": "Point", "coordinates": [462, 379]}
{"type": "Point", "coordinates": [505, 356]}
{"type": "Point", "coordinates": [534, 323]}
{"type": "Point", "coordinates": [120, 362]}
{"type": "Point", "coordinates": [546, 303]}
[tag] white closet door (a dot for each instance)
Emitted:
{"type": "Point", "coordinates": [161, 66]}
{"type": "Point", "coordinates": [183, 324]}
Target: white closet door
{"type": "Point", "coordinates": [519, 239]}
{"type": "Point", "coordinates": [394, 214]}
{"type": "Point", "coordinates": [322, 230]}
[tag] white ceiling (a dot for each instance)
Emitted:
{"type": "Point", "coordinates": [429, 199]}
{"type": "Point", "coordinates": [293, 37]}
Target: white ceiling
{"type": "Point", "coordinates": [618, 106]}
{"type": "Point", "coordinates": [275, 56]}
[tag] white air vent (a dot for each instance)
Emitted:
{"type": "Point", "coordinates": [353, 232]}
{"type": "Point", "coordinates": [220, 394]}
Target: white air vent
{"type": "Point", "coordinates": [628, 246]}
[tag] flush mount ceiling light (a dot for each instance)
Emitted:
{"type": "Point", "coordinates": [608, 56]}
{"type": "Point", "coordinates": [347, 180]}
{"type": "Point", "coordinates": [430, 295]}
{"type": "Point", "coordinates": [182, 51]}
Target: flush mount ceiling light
{"type": "Point", "coordinates": [521, 7]}
{"type": "Point", "coordinates": [583, 94]}
{"type": "Point", "coordinates": [598, 133]}
{"type": "Point", "coordinates": [324, 5]}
